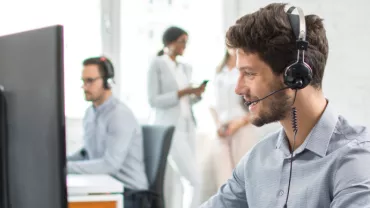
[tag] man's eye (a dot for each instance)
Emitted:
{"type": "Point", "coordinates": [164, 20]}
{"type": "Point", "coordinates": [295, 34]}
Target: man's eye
{"type": "Point", "coordinates": [89, 80]}
{"type": "Point", "coordinates": [249, 74]}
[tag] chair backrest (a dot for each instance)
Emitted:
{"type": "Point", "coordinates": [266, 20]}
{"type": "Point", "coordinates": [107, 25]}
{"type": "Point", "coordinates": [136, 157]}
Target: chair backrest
{"type": "Point", "coordinates": [157, 143]}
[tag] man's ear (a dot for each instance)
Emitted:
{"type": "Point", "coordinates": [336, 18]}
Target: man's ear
{"type": "Point", "coordinates": [281, 77]}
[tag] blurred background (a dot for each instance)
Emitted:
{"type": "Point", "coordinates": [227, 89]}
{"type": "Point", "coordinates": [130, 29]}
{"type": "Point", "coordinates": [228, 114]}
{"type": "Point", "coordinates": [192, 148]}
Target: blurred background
{"type": "Point", "coordinates": [129, 32]}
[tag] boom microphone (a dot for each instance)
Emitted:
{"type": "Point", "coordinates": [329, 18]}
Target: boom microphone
{"type": "Point", "coordinates": [248, 103]}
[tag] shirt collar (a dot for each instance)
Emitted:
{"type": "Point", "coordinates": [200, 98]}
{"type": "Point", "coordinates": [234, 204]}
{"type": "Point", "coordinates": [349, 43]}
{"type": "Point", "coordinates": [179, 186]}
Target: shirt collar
{"type": "Point", "coordinates": [319, 138]}
{"type": "Point", "coordinates": [104, 106]}
{"type": "Point", "coordinates": [169, 61]}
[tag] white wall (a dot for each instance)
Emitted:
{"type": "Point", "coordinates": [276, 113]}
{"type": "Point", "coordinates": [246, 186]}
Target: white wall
{"type": "Point", "coordinates": [347, 72]}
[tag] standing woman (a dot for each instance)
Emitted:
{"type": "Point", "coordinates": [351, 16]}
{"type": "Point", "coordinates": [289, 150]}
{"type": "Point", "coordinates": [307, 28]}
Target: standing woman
{"type": "Point", "coordinates": [171, 96]}
{"type": "Point", "coordinates": [235, 134]}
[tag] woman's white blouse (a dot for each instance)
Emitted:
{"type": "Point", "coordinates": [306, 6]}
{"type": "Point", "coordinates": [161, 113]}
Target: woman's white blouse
{"type": "Point", "coordinates": [228, 104]}
{"type": "Point", "coordinates": [183, 82]}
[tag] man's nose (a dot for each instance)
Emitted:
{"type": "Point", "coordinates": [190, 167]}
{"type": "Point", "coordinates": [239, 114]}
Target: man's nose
{"type": "Point", "coordinates": [83, 86]}
{"type": "Point", "coordinates": [241, 87]}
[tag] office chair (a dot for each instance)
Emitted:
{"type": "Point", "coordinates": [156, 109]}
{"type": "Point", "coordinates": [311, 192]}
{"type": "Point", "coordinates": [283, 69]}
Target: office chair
{"type": "Point", "coordinates": [157, 143]}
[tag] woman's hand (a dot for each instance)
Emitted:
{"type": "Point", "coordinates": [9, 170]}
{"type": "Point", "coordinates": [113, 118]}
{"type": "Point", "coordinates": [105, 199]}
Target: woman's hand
{"type": "Point", "coordinates": [198, 91]}
{"type": "Point", "coordinates": [235, 125]}
{"type": "Point", "coordinates": [221, 131]}
{"type": "Point", "coordinates": [192, 90]}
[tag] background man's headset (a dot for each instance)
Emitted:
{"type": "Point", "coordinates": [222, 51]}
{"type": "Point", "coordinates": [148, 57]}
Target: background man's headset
{"type": "Point", "coordinates": [108, 71]}
{"type": "Point", "coordinates": [297, 75]}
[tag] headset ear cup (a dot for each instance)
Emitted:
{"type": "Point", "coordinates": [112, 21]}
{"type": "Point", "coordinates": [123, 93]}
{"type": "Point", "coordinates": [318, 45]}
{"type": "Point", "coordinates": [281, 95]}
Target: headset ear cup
{"type": "Point", "coordinates": [108, 71]}
{"type": "Point", "coordinates": [106, 84]}
{"type": "Point", "coordinates": [298, 75]}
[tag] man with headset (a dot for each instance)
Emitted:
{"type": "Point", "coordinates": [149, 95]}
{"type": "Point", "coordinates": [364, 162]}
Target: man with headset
{"type": "Point", "coordinates": [113, 142]}
{"type": "Point", "coordinates": [317, 159]}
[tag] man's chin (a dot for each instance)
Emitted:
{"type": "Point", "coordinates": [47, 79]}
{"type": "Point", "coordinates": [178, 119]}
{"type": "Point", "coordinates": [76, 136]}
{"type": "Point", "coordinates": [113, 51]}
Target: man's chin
{"type": "Point", "coordinates": [258, 122]}
{"type": "Point", "coordinates": [88, 98]}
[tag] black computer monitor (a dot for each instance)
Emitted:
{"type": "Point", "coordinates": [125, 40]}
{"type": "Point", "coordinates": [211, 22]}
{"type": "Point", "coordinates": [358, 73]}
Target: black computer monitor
{"type": "Point", "coordinates": [33, 160]}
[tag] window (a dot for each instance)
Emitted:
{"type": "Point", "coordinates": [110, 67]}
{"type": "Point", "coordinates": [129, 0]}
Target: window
{"type": "Point", "coordinates": [82, 38]}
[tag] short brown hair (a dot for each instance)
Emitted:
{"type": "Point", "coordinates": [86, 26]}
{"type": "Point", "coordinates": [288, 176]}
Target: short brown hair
{"type": "Point", "coordinates": [268, 33]}
{"type": "Point", "coordinates": [98, 61]}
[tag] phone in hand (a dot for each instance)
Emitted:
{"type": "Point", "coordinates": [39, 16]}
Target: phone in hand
{"type": "Point", "coordinates": [204, 82]}
{"type": "Point", "coordinates": [224, 128]}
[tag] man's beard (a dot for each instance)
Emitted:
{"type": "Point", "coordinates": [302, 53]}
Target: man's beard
{"type": "Point", "coordinates": [88, 96]}
{"type": "Point", "coordinates": [91, 98]}
{"type": "Point", "coordinates": [274, 108]}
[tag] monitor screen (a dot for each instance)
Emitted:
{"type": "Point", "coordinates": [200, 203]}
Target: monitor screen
{"type": "Point", "coordinates": [33, 161]}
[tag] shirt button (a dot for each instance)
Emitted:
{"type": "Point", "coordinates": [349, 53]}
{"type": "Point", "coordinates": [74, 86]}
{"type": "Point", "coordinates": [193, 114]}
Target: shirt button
{"type": "Point", "coordinates": [281, 192]}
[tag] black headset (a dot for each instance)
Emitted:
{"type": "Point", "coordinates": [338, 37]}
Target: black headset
{"type": "Point", "coordinates": [108, 71]}
{"type": "Point", "coordinates": [299, 74]}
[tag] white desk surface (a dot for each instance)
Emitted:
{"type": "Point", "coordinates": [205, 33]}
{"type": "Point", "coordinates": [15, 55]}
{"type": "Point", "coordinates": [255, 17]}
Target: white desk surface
{"type": "Point", "coordinates": [92, 184]}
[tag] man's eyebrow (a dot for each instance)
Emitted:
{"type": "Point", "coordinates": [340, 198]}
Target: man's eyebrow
{"type": "Point", "coordinates": [245, 68]}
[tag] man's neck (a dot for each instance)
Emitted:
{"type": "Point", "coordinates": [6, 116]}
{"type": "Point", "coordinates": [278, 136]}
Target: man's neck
{"type": "Point", "coordinates": [104, 98]}
{"type": "Point", "coordinates": [310, 105]}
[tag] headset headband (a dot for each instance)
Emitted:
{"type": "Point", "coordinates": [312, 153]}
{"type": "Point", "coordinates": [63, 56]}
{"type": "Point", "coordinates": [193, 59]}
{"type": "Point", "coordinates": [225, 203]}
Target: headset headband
{"type": "Point", "coordinates": [302, 22]}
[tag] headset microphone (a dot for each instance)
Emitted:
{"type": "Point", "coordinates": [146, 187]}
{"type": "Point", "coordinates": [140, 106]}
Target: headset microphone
{"type": "Point", "coordinates": [297, 84]}
{"type": "Point", "coordinates": [248, 103]}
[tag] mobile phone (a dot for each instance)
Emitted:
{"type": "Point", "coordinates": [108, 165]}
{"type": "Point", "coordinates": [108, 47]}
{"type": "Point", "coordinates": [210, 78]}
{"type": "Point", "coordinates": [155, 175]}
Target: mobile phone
{"type": "Point", "coordinates": [204, 82]}
{"type": "Point", "coordinates": [224, 127]}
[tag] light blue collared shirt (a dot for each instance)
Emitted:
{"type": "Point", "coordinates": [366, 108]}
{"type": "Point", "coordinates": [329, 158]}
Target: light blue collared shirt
{"type": "Point", "coordinates": [330, 169]}
{"type": "Point", "coordinates": [113, 145]}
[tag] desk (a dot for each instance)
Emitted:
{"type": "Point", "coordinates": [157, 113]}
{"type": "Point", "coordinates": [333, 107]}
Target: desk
{"type": "Point", "coordinates": [94, 191]}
